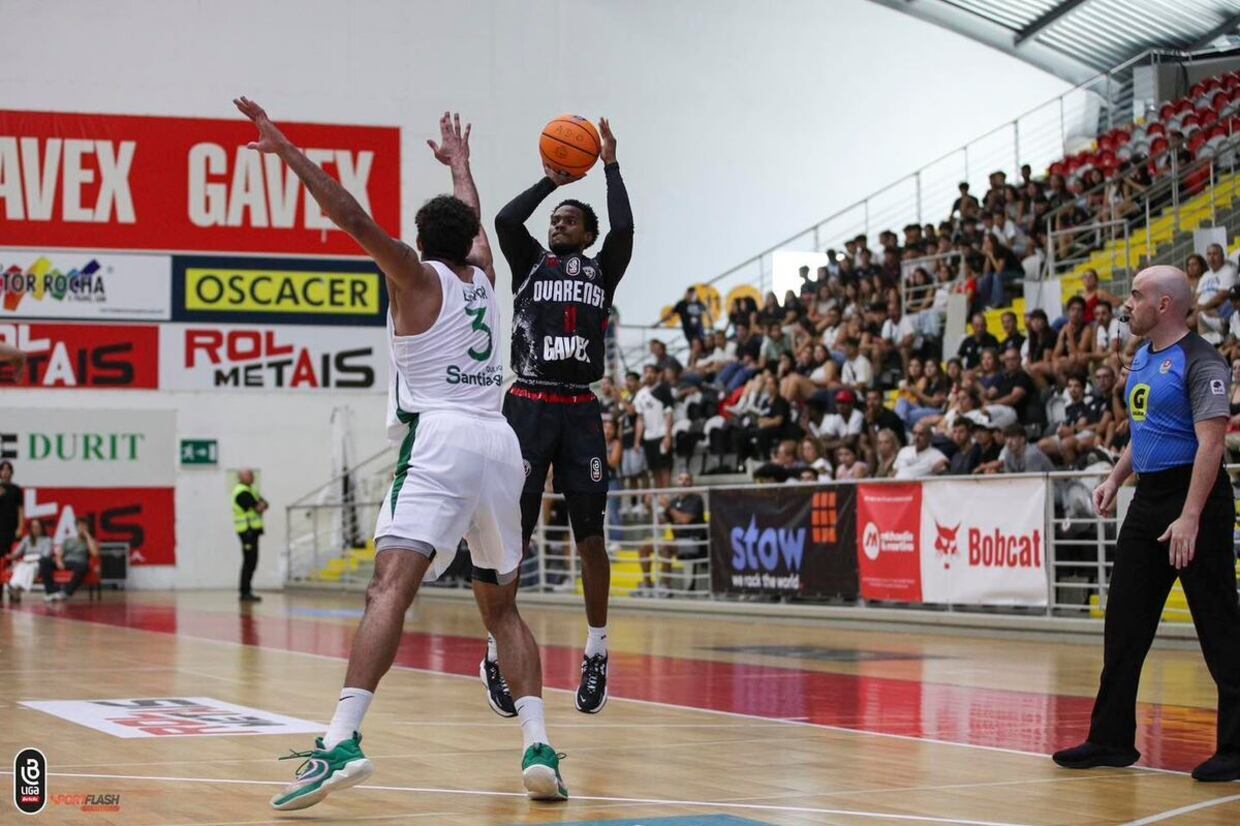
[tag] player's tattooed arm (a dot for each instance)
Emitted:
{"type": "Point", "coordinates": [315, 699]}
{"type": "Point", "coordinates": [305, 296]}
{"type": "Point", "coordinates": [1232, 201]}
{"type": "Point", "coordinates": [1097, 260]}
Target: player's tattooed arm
{"type": "Point", "coordinates": [617, 248]}
{"type": "Point", "coordinates": [453, 152]}
{"type": "Point", "coordinates": [396, 258]}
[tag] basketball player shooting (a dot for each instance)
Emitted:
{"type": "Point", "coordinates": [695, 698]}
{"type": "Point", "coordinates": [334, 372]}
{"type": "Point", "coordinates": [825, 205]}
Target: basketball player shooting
{"type": "Point", "coordinates": [561, 300]}
{"type": "Point", "coordinates": [459, 471]}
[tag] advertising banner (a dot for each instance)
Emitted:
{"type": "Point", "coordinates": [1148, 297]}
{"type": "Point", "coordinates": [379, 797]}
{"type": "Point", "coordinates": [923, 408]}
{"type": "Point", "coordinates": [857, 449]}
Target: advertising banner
{"type": "Point", "coordinates": [93, 356]}
{"type": "Point", "coordinates": [256, 357]}
{"type": "Point", "coordinates": [127, 182]}
{"type": "Point", "coordinates": [220, 290]}
{"type": "Point", "coordinates": [96, 448]}
{"type": "Point", "coordinates": [171, 717]}
{"type": "Point", "coordinates": [983, 543]}
{"type": "Point", "coordinates": [85, 285]}
{"type": "Point", "coordinates": [888, 542]}
{"type": "Point", "coordinates": [143, 517]}
{"type": "Point", "coordinates": [784, 540]}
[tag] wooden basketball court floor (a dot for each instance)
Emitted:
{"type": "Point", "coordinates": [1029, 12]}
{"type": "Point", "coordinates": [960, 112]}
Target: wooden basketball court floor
{"type": "Point", "coordinates": [711, 722]}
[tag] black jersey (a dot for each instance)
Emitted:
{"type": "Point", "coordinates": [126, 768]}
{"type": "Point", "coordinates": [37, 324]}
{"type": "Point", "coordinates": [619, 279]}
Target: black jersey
{"type": "Point", "coordinates": [561, 303]}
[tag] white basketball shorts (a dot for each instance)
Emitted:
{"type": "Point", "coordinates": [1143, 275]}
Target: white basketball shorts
{"type": "Point", "coordinates": [458, 475]}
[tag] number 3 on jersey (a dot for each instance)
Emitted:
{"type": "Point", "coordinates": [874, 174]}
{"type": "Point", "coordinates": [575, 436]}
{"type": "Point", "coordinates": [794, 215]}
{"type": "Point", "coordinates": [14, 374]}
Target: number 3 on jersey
{"type": "Point", "coordinates": [478, 314]}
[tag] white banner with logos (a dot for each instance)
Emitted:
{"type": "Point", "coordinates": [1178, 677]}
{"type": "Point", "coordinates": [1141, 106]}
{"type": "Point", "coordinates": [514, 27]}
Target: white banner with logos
{"type": "Point", "coordinates": [37, 283]}
{"type": "Point", "coordinates": [272, 357]}
{"type": "Point", "coordinates": [983, 543]}
{"type": "Point", "coordinates": [172, 717]}
{"type": "Point", "coordinates": [72, 448]}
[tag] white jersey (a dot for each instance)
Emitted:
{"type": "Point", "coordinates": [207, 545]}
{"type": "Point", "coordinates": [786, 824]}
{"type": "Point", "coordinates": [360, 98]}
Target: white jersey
{"type": "Point", "coordinates": [456, 364]}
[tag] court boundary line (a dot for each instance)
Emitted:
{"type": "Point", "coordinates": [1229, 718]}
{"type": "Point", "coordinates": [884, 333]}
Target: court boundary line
{"type": "Point", "coordinates": [586, 798]}
{"type": "Point", "coordinates": [656, 703]}
{"type": "Point", "coordinates": [1183, 810]}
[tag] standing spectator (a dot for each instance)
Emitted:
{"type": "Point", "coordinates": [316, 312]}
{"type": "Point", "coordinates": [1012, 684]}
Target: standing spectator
{"type": "Point", "coordinates": [27, 559]}
{"type": "Point", "coordinates": [1075, 347]}
{"type": "Point", "coordinates": [632, 460]}
{"type": "Point", "coordinates": [608, 398]}
{"type": "Point", "coordinates": [971, 348]}
{"type": "Point", "coordinates": [966, 206]}
{"type": "Point", "coordinates": [920, 459]}
{"type": "Point", "coordinates": [684, 513]}
{"type": "Point", "coordinates": [968, 452]}
{"type": "Point", "coordinates": [75, 555]}
{"type": "Point", "coordinates": [615, 476]}
{"type": "Point", "coordinates": [12, 508]}
{"type": "Point", "coordinates": [694, 315]}
{"type": "Point", "coordinates": [654, 404]}
{"type": "Point", "coordinates": [248, 507]}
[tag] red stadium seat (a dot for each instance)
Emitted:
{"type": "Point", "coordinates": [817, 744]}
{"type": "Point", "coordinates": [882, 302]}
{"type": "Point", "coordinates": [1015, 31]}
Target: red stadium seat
{"type": "Point", "coordinates": [1106, 142]}
{"type": "Point", "coordinates": [1197, 141]}
{"type": "Point", "coordinates": [1122, 138]}
{"type": "Point", "coordinates": [1166, 111]}
{"type": "Point", "coordinates": [1208, 118]}
{"type": "Point", "coordinates": [1191, 120]}
{"type": "Point", "coordinates": [1058, 168]}
{"type": "Point", "coordinates": [1183, 106]}
{"type": "Point", "coordinates": [1155, 129]}
{"type": "Point", "coordinates": [1158, 146]}
{"type": "Point", "coordinates": [1218, 130]}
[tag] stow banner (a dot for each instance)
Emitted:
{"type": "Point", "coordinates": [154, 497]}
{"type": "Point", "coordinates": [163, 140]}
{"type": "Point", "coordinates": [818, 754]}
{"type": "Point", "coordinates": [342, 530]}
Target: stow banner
{"type": "Point", "coordinates": [959, 543]}
{"type": "Point", "coordinates": [98, 448]}
{"type": "Point", "coordinates": [84, 285]}
{"type": "Point", "coordinates": [94, 181]}
{"type": "Point", "coordinates": [219, 290]}
{"type": "Point", "coordinates": [788, 540]}
{"type": "Point", "coordinates": [142, 516]}
{"type": "Point", "coordinates": [256, 357]}
{"type": "Point", "coordinates": [93, 356]}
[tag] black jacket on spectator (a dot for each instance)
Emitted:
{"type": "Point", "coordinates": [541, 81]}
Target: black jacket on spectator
{"type": "Point", "coordinates": [1008, 382]}
{"type": "Point", "coordinates": [965, 460]}
{"type": "Point", "coordinates": [970, 351]}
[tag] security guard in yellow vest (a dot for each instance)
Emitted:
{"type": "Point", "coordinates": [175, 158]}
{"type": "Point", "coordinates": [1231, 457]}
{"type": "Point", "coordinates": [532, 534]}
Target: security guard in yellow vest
{"type": "Point", "coordinates": [248, 507]}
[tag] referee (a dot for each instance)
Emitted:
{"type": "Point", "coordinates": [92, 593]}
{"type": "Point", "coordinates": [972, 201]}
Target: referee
{"type": "Point", "coordinates": [1180, 524]}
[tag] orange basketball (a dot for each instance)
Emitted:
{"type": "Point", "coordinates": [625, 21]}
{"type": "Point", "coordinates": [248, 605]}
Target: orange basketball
{"type": "Point", "coordinates": [570, 143]}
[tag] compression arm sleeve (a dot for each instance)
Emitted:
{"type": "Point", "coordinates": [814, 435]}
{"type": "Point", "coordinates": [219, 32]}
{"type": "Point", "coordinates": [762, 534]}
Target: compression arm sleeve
{"type": "Point", "coordinates": [618, 245]}
{"type": "Point", "coordinates": [519, 247]}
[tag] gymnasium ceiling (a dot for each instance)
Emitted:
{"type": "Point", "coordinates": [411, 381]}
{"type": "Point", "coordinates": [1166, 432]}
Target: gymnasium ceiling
{"type": "Point", "coordinates": [1076, 39]}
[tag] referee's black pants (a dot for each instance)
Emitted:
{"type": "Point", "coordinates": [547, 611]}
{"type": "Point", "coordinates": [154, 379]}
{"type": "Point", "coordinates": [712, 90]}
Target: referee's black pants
{"type": "Point", "coordinates": [249, 559]}
{"type": "Point", "coordinates": [1140, 581]}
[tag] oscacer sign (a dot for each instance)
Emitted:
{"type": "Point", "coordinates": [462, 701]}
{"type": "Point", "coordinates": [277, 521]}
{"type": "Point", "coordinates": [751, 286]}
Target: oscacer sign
{"type": "Point", "coordinates": [200, 357]}
{"type": "Point", "coordinates": [129, 182]}
{"type": "Point", "coordinates": [71, 356]}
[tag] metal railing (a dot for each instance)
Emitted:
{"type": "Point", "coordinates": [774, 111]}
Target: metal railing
{"type": "Point", "coordinates": [1047, 133]}
{"type": "Point", "coordinates": [651, 559]}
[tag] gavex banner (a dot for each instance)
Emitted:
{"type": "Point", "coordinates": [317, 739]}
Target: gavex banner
{"type": "Point", "coordinates": [85, 356]}
{"type": "Point", "coordinates": [84, 285]}
{"type": "Point", "coordinates": [257, 357]}
{"type": "Point", "coordinates": [144, 517]}
{"type": "Point", "coordinates": [126, 182]}
{"type": "Point", "coordinates": [789, 540]}
{"type": "Point", "coordinates": [219, 290]}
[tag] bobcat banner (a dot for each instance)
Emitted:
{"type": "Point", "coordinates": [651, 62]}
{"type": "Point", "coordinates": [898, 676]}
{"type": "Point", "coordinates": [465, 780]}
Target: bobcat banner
{"type": "Point", "coordinates": [784, 541]}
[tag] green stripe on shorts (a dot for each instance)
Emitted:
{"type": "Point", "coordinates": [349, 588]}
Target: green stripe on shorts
{"type": "Point", "coordinates": [406, 448]}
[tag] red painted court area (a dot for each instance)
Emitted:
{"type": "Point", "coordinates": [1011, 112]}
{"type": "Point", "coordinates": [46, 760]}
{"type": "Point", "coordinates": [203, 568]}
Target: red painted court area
{"type": "Point", "coordinates": [1169, 737]}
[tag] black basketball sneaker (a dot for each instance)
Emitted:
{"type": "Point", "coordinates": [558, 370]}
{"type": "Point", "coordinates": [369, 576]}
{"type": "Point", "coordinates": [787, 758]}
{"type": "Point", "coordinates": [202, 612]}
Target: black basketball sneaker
{"type": "Point", "coordinates": [498, 695]}
{"type": "Point", "coordinates": [592, 693]}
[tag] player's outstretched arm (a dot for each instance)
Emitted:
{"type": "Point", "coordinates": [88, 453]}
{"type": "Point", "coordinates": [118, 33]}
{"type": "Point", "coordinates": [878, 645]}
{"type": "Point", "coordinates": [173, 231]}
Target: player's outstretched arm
{"type": "Point", "coordinates": [453, 152]}
{"type": "Point", "coordinates": [396, 258]}
{"type": "Point", "coordinates": [617, 250]}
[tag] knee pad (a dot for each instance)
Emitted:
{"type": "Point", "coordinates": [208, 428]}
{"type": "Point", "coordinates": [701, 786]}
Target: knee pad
{"type": "Point", "coordinates": [585, 514]}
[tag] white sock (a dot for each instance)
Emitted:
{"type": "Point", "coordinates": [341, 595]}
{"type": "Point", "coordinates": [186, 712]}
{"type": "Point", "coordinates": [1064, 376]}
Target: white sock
{"type": "Point", "coordinates": [596, 641]}
{"type": "Point", "coordinates": [533, 726]}
{"type": "Point", "coordinates": [492, 654]}
{"type": "Point", "coordinates": [350, 710]}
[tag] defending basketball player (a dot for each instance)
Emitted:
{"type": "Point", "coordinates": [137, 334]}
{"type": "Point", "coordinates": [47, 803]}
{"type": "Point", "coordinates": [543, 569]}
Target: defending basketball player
{"type": "Point", "coordinates": [561, 299]}
{"type": "Point", "coordinates": [459, 471]}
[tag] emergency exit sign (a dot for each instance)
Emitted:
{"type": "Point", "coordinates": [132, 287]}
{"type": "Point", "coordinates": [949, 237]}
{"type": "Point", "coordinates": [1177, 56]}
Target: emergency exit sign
{"type": "Point", "coordinates": [199, 452]}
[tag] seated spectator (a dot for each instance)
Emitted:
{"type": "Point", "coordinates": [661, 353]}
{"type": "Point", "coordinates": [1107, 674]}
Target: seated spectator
{"type": "Point", "coordinates": [898, 336]}
{"type": "Point", "coordinates": [1213, 289]}
{"type": "Point", "coordinates": [923, 393]}
{"type": "Point", "coordinates": [1014, 389]}
{"type": "Point", "coordinates": [694, 315]}
{"type": "Point", "coordinates": [812, 458]}
{"type": "Point", "coordinates": [659, 356]}
{"type": "Point", "coordinates": [847, 466]}
{"type": "Point", "coordinates": [988, 372]}
{"type": "Point", "coordinates": [920, 459]}
{"type": "Point", "coordinates": [27, 559]}
{"type": "Point", "coordinates": [1094, 294]}
{"type": "Point", "coordinates": [771, 312]}
{"type": "Point", "coordinates": [784, 466]}
{"type": "Point", "coordinates": [886, 451]}
{"type": "Point", "coordinates": [1012, 338]}
{"type": "Point", "coordinates": [73, 555]}
{"type": "Point", "coordinates": [1018, 456]}
{"type": "Point", "coordinates": [748, 353]}
{"type": "Point", "coordinates": [966, 206]}
{"type": "Point", "coordinates": [776, 425]}
{"type": "Point", "coordinates": [743, 311]}
{"type": "Point", "coordinates": [845, 426]}
{"type": "Point", "coordinates": [857, 372]}
{"type": "Point", "coordinates": [1113, 336]}
{"type": "Point", "coordinates": [774, 345]}
{"type": "Point", "coordinates": [1075, 346]}
{"type": "Point", "coordinates": [1002, 268]}
{"type": "Point", "coordinates": [968, 452]}
{"type": "Point", "coordinates": [1231, 345]}
{"type": "Point", "coordinates": [722, 353]}
{"type": "Point", "coordinates": [971, 347]}
{"type": "Point", "coordinates": [823, 374]}
{"type": "Point", "coordinates": [1038, 349]}
{"type": "Point", "coordinates": [1085, 418]}
{"type": "Point", "coordinates": [684, 513]}
{"type": "Point", "coordinates": [877, 417]}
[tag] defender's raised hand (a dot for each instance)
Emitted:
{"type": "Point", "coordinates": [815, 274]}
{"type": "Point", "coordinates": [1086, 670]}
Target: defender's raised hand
{"type": "Point", "coordinates": [608, 153]}
{"type": "Point", "coordinates": [454, 144]}
{"type": "Point", "coordinates": [270, 139]}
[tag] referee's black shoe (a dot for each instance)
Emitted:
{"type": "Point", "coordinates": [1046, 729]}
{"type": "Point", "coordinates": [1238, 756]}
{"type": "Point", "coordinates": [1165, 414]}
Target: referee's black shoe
{"type": "Point", "coordinates": [592, 693]}
{"type": "Point", "coordinates": [498, 695]}
{"type": "Point", "coordinates": [1091, 756]}
{"type": "Point", "coordinates": [1220, 768]}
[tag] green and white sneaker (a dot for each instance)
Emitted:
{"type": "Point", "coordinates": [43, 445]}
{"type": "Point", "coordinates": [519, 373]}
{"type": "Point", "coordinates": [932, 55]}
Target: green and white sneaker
{"type": "Point", "coordinates": [324, 771]}
{"type": "Point", "coordinates": [540, 770]}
